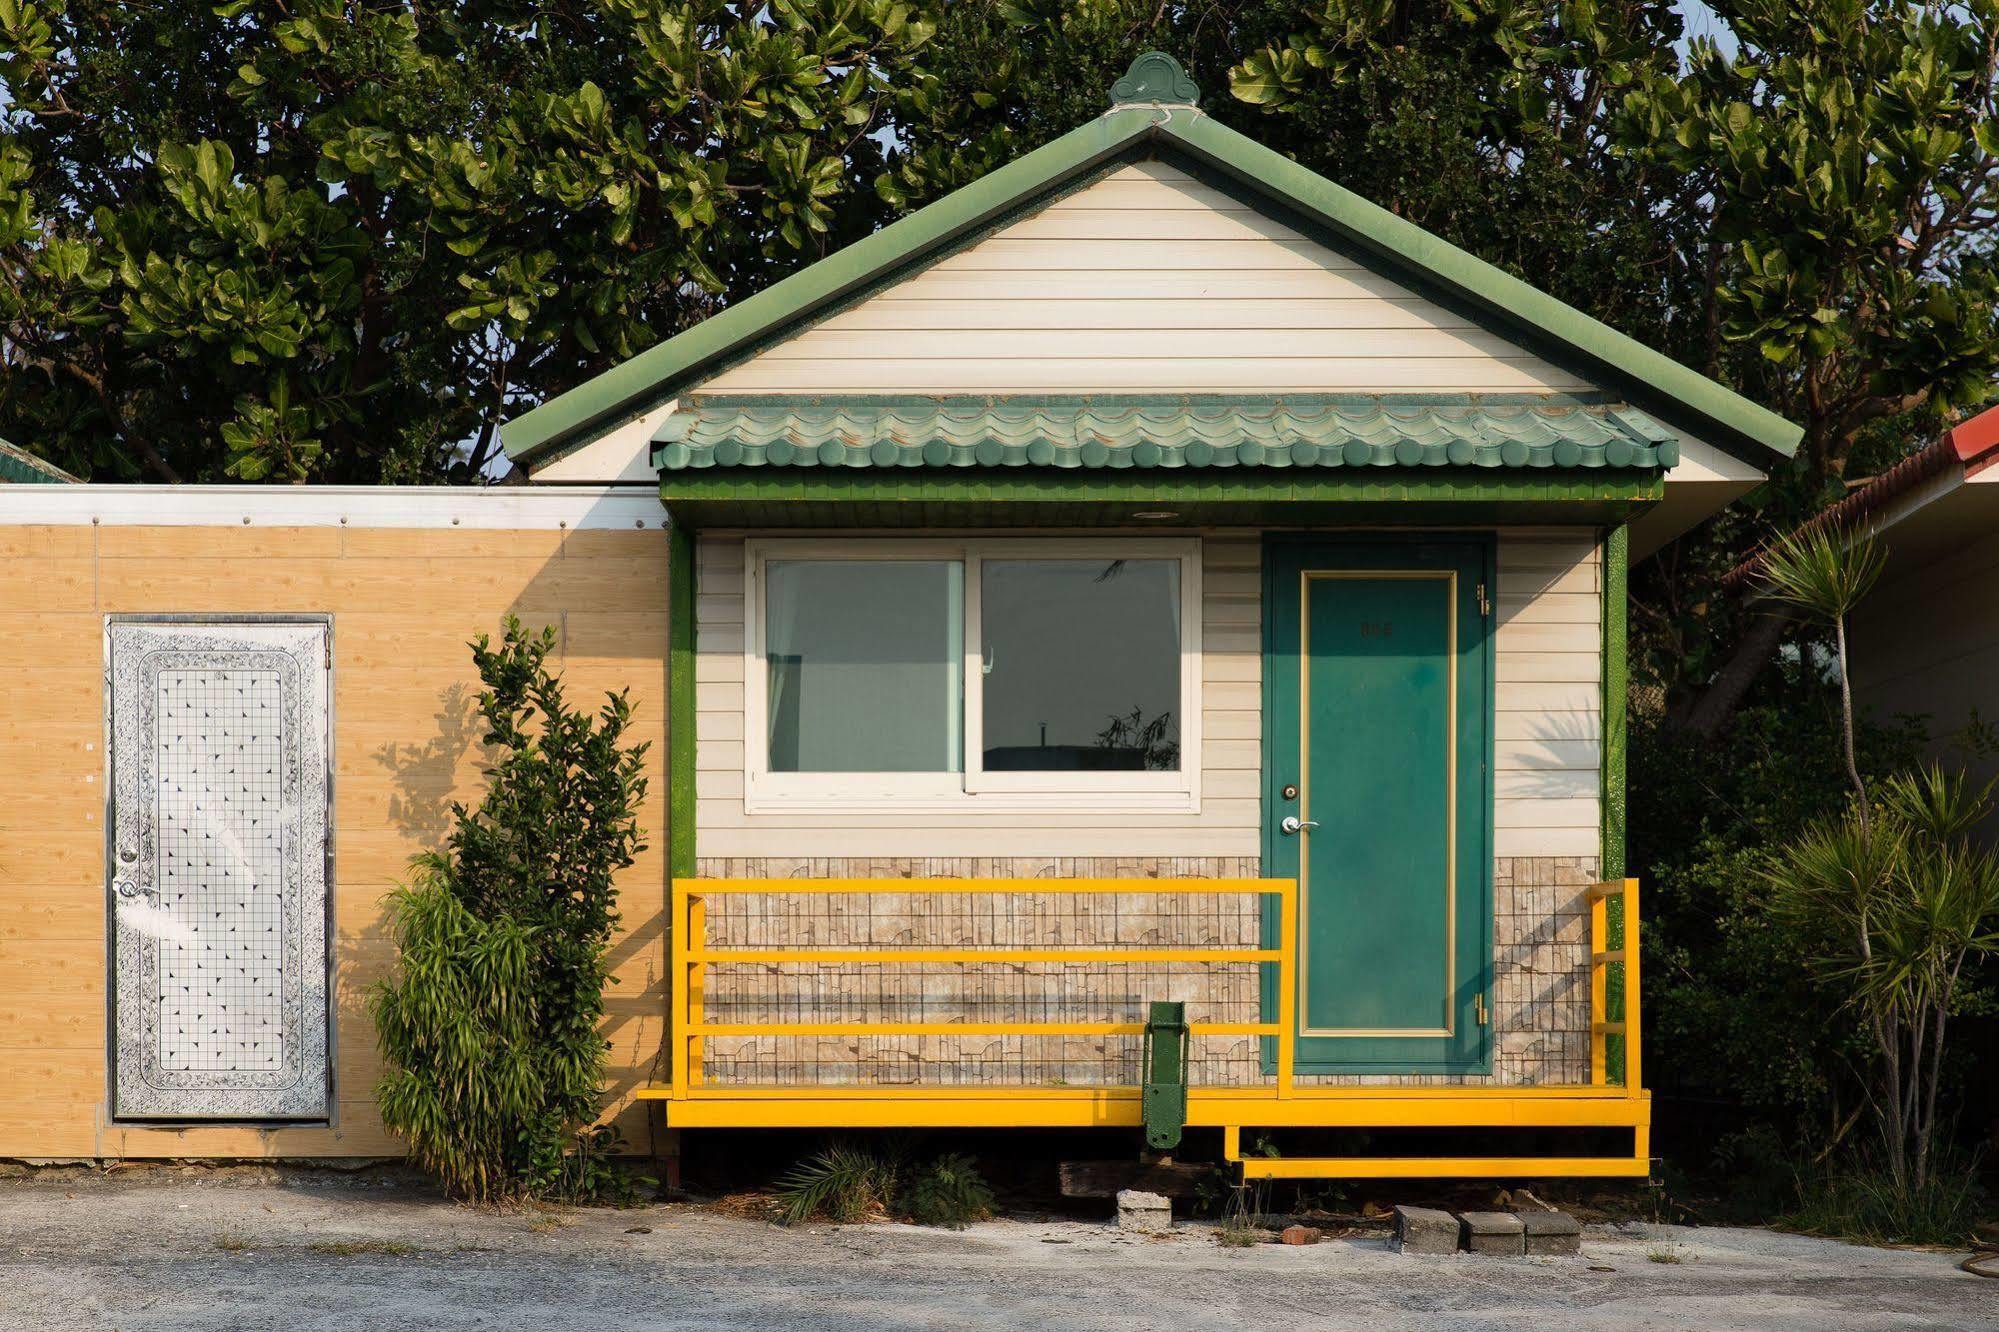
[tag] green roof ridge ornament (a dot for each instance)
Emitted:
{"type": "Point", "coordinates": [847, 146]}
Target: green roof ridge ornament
{"type": "Point", "coordinates": [1155, 79]}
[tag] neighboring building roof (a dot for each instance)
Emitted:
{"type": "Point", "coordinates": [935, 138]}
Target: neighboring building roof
{"type": "Point", "coordinates": [1153, 107]}
{"type": "Point", "coordinates": [1117, 431]}
{"type": "Point", "coordinates": [18, 466]}
{"type": "Point", "coordinates": [1960, 453]}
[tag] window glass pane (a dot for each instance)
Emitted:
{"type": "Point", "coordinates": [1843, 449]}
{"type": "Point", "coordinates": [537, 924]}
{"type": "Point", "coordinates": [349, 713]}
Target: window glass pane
{"type": "Point", "coordinates": [1082, 665]}
{"type": "Point", "coordinates": [865, 659]}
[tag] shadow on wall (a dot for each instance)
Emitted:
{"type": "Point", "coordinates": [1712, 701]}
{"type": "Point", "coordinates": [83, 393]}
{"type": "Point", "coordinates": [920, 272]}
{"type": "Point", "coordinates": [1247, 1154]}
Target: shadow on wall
{"type": "Point", "coordinates": [598, 651]}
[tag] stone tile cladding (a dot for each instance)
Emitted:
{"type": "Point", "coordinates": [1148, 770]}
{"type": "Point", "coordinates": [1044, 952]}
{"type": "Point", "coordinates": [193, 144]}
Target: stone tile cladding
{"type": "Point", "coordinates": [1540, 1001]}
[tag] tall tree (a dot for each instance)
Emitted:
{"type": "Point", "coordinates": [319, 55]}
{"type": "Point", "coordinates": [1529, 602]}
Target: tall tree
{"type": "Point", "coordinates": [1839, 169]}
{"type": "Point", "coordinates": [341, 240]}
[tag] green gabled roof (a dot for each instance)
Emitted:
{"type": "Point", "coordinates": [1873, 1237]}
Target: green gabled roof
{"type": "Point", "coordinates": [1169, 122]}
{"type": "Point", "coordinates": [18, 467]}
{"type": "Point", "coordinates": [1293, 430]}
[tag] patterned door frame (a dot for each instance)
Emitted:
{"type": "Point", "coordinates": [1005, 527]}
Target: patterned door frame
{"type": "Point", "coordinates": [217, 835]}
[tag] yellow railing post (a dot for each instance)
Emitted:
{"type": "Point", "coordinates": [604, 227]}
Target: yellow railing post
{"type": "Point", "coordinates": [1633, 1080]}
{"type": "Point", "coordinates": [1287, 987]}
{"type": "Point", "coordinates": [697, 978]}
{"type": "Point", "coordinates": [1599, 990]}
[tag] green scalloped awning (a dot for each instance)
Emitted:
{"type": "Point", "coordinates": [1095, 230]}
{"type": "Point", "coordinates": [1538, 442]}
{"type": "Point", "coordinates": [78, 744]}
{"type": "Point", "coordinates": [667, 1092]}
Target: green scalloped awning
{"type": "Point", "coordinates": [20, 467]}
{"type": "Point", "coordinates": [1510, 431]}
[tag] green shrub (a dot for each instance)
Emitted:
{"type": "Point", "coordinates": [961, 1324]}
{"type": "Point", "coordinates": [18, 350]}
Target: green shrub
{"type": "Point", "coordinates": [844, 1183]}
{"type": "Point", "coordinates": [848, 1183]}
{"type": "Point", "coordinates": [1740, 1040]}
{"type": "Point", "coordinates": [949, 1192]}
{"type": "Point", "coordinates": [489, 1025]}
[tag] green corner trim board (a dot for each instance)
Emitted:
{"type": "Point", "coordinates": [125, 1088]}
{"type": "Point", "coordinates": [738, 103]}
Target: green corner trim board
{"type": "Point", "coordinates": [1295, 431]}
{"type": "Point", "coordinates": [1683, 398]}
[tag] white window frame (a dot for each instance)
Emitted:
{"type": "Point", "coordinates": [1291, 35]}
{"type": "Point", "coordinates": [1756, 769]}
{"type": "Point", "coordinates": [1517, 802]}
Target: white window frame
{"type": "Point", "coordinates": [972, 790]}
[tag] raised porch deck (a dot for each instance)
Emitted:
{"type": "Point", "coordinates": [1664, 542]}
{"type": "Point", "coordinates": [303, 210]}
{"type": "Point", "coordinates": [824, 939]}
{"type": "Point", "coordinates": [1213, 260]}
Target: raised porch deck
{"type": "Point", "coordinates": [790, 948]}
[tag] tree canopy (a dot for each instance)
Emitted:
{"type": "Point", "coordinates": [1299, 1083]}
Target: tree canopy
{"type": "Point", "coordinates": [340, 240]}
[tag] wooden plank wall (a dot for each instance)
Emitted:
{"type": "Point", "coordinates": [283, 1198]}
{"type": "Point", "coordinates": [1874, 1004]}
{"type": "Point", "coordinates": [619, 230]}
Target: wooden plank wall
{"type": "Point", "coordinates": [1147, 281]}
{"type": "Point", "coordinates": [404, 603]}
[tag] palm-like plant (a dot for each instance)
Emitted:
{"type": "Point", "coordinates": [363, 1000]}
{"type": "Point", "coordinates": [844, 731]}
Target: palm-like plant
{"type": "Point", "coordinates": [1827, 573]}
{"type": "Point", "coordinates": [1903, 903]}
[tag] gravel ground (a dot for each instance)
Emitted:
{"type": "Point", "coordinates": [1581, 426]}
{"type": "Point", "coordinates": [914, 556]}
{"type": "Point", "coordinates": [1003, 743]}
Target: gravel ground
{"type": "Point", "coordinates": [247, 1249]}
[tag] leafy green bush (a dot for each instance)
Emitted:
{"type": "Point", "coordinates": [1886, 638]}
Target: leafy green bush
{"type": "Point", "coordinates": [1741, 1044]}
{"type": "Point", "coordinates": [489, 1025]}
{"type": "Point", "coordinates": [949, 1192]}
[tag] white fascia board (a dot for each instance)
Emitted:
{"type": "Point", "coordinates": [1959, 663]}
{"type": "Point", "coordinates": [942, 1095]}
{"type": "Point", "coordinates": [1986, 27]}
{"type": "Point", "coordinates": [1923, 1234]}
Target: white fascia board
{"type": "Point", "coordinates": [1704, 482]}
{"type": "Point", "coordinates": [488, 507]}
{"type": "Point", "coordinates": [620, 455]}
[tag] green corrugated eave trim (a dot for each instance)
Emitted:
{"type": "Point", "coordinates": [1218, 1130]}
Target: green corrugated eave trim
{"type": "Point", "coordinates": [21, 467]}
{"type": "Point", "coordinates": [1000, 487]}
{"type": "Point", "coordinates": [1084, 432]}
{"type": "Point", "coordinates": [1661, 383]}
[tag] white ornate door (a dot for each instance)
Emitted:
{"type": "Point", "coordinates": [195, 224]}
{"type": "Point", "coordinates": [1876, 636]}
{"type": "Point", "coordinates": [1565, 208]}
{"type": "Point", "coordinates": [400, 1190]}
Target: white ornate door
{"type": "Point", "coordinates": [218, 841]}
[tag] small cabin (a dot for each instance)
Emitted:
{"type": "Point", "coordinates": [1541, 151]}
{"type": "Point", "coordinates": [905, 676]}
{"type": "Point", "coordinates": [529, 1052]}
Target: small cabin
{"type": "Point", "coordinates": [1138, 642]}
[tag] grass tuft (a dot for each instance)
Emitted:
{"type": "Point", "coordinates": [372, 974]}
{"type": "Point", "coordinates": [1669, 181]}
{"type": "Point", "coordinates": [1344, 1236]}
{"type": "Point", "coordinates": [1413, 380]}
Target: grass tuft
{"type": "Point", "coordinates": [1867, 1204]}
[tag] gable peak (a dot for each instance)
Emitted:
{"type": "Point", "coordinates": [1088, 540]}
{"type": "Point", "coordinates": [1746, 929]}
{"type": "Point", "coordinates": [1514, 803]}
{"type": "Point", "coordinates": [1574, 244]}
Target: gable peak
{"type": "Point", "coordinates": [1155, 79]}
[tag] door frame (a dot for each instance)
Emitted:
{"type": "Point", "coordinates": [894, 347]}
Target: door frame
{"type": "Point", "coordinates": [1476, 837]}
{"type": "Point", "coordinates": [109, 818]}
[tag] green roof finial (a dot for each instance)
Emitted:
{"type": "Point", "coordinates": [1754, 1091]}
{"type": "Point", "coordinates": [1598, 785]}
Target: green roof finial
{"type": "Point", "coordinates": [1155, 78]}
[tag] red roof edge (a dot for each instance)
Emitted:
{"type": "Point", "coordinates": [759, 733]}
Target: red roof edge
{"type": "Point", "coordinates": [1971, 444]}
{"type": "Point", "coordinates": [1977, 441]}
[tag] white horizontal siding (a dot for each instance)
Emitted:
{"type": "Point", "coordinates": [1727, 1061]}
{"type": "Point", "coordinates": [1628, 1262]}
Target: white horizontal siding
{"type": "Point", "coordinates": [1548, 723]}
{"type": "Point", "coordinates": [1548, 726]}
{"type": "Point", "coordinates": [1146, 280]}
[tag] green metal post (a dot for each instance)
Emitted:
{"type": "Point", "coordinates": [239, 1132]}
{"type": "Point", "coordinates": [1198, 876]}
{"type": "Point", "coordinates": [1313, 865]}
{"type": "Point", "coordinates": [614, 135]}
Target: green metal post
{"type": "Point", "coordinates": [1164, 1100]}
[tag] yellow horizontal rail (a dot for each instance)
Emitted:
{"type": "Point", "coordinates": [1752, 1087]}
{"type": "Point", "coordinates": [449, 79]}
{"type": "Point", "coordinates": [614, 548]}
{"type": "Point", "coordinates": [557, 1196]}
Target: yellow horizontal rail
{"type": "Point", "coordinates": [886, 956]}
{"type": "Point", "coordinates": [1025, 887]}
{"type": "Point", "coordinates": [1443, 1167]}
{"type": "Point", "coordinates": [973, 1029]}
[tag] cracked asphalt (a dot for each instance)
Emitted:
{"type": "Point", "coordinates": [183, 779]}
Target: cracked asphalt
{"type": "Point", "coordinates": [172, 1249]}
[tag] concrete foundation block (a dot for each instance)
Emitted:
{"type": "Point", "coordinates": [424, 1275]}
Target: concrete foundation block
{"type": "Point", "coordinates": [1425, 1230]}
{"type": "Point", "coordinates": [1552, 1233]}
{"type": "Point", "coordinates": [1144, 1212]}
{"type": "Point", "coordinates": [1498, 1234]}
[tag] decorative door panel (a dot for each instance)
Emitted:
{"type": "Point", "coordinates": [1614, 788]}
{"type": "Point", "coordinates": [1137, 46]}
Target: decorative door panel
{"type": "Point", "coordinates": [1378, 743]}
{"type": "Point", "coordinates": [218, 841]}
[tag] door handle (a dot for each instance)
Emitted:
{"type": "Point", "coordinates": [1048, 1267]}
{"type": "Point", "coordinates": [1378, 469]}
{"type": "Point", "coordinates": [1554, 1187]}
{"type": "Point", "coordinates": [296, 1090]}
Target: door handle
{"type": "Point", "coordinates": [130, 888]}
{"type": "Point", "coordinates": [1293, 825]}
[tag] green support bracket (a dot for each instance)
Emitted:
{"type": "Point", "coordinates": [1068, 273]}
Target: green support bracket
{"type": "Point", "coordinates": [1164, 1100]}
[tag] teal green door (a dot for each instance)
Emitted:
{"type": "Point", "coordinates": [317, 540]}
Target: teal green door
{"type": "Point", "coordinates": [1377, 798]}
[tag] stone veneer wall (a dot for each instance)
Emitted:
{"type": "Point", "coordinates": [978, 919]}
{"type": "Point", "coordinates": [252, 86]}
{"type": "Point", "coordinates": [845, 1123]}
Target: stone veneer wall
{"type": "Point", "coordinates": [1540, 1004]}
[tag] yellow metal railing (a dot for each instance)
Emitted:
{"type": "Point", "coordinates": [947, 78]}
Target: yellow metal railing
{"type": "Point", "coordinates": [1614, 1045]}
{"type": "Point", "coordinates": [693, 954]}
{"type": "Point", "coordinates": [1613, 1098]}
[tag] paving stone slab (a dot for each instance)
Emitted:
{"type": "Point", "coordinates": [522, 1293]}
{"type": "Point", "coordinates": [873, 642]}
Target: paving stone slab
{"type": "Point", "coordinates": [1425, 1230]}
{"type": "Point", "coordinates": [1499, 1234]}
{"type": "Point", "coordinates": [1551, 1233]}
